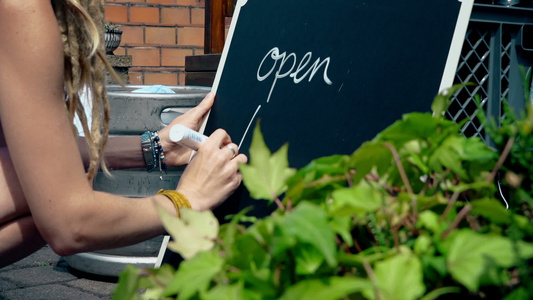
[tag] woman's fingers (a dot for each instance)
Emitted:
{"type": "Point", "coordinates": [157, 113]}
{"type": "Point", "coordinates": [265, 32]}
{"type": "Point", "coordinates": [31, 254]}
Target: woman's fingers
{"type": "Point", "coordinates": [213, 174]}
{"type": "Point", "coordinates": [198, 112]}
{"type": "Point", "coordinates": [233, 148]}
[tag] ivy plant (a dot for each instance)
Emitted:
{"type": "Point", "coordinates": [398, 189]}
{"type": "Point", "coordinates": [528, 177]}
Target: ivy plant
{"type": "Point", "coordinates": [414, 213]}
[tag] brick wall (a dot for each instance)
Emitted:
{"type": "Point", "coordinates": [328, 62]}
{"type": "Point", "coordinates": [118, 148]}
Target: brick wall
{"type": "Point", "coordinates": [158, 34]}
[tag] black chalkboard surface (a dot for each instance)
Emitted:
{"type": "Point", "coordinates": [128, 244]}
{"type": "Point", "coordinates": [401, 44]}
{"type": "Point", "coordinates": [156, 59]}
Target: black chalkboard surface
{"type": "Point", "coordinates": [325, 76]}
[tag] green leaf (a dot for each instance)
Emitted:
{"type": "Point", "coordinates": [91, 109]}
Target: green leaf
{"type": "Point", "coordinates": [430, 220]}
{"type": "Point", "coordinates": [358, 200]}
{"type": "Point", "coordinates": [369, 156]}
{"type": "Point", "coordinates": [307, 222]}
{"type": "Point", "coordinates": [518, 294]}
{"type": "Point", "coordinates": [442, 100]}
{"type": "Point", "coordinates": [400, 277]}
{"type": "Point", "coordinates": [315, 181]}
{"type": "Point", "coordinates": [156, 281]}
{"type": "Point", "coordinates": [413, 126]}
{"type": "Point", "coordinates": [371, 255]}
{"type": "Point", "coordinates": [225, 292]}
{"type": "Point", "coordinates": [247, 253]}
{"type": "Point", "coordinates": [195, 275]}
{"type": "Point", "coordinates": [266, 174]}
{"type": "Point", "coordinates": [342, 227]}
{"type": "Point", "coordinates": [128, 284]}
{"type": "Point", "coordinates": [435, 294]}
{"type": "Point", "coordinates": [525, 250]}
{"type": "Point", "coordinates": [257, 282]}
{"type": "Point", "coordinates": [332, 288]}
{"type": "Point", "coordinates": [192, 233]}
{"type": "Point", "coordinates": [230, 229]}
{"type": "Point", "coordinates": [471, 253]}
{"type": "Point", "coordinates": [308, 259]}
{"type": "Point", "coordinates": [422, 244]}
{"type": "Point", "coordinates": [491, 209]}
{"type": "Point", "coordinates": [448, 155]}
{"type": "Point", "coordinates": [434, 267]}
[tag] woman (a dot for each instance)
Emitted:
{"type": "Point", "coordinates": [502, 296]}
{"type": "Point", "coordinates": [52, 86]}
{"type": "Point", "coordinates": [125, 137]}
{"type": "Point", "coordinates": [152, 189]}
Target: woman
{"type": "Point", "coordinates": [48, 52]}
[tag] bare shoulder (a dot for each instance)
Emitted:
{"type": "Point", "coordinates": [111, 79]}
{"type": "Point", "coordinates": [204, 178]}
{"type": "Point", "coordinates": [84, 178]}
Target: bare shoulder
{"type": "Point", "coordinates": [31, 52]}
{"type": "Point", "coordinates": [28, 33]}
{"type": "Point", "coordinates": [25, 16]}
{"type": "Point", "coordinates": [22, 7]}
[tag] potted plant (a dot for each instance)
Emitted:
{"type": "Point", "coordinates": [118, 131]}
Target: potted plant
{"type": "Point", "coordinates": [412, 214]}
{"type": "Point", "coordinates": [112, 37]}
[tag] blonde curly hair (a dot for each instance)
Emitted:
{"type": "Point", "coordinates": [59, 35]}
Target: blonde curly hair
{"type": "Point", "coordinates": [81, 23]}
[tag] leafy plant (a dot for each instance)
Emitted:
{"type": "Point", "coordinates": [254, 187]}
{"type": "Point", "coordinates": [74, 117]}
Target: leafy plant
{"type": "Point", "coordinates": [108, 26]}
{"type": "Point", "coordinates": [411, 214]}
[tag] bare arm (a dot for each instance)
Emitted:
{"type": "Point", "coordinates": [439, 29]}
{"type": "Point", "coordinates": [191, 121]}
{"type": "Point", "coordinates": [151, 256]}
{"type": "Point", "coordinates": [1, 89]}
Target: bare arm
{"type": "Point", "coordinates": [70, 216]}
{"type": "Point", "coordinates": [125, 151]}
{"type": "Point", "coordinates": [122, 152]}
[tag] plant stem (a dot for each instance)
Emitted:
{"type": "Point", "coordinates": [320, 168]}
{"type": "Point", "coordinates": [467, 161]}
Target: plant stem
{"type": "Point", "coordinates": [401, 170]}
{"type": "Point", "coordinates": [372, 277]}
{"type": "Point", "coordinates": [349, 177]}
{"type": "Point", "coordinates": [460, 216]}
{"type": "Point", "coordinates": [451, 203]}
{"type": "Point", "coordinates": [280, 204]}
{"type": "Point", "coordinates": [393, 230]}
{"type": "Point", "coordinates": [357, 246]}
{"type": "Point", "coordinates": [502, 158]}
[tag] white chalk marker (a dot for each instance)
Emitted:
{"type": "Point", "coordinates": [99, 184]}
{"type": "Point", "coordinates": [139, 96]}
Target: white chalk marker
{"type": "Point", "coordinates": [187, 137]}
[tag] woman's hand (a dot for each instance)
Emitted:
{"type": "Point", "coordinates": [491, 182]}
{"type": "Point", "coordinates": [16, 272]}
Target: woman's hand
{"type": "Point", "coordinates": [176, 154]}
{"type": "Point", "coordinates": [213, 174]}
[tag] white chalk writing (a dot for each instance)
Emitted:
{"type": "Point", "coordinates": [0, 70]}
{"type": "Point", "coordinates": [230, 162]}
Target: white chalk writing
{"type": "Point", "coordinates": [297, 75]}
{"type": "Point", "coordinates": [291, 59]}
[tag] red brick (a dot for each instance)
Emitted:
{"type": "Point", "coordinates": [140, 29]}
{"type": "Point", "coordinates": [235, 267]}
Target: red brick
{"type": "Point", "coordinates": [116, 13]}
{"type": "Point", "coordinates": [124, 1]}
{"type": "Point", "coordinates": [191, 36]}
{"type": "Point", "coordinates": [176, 15]}
{"type": "Point", "coordinates": [132, 34]}
{"type": "Point", "coordinates": [174, 57]}
{"type": "Point", "coordinates": [198, 16]}
{"type": "Point", "coordinates": [200, 3]}
{"type": "Point", "coordinates": [120, 51]}
{"type": "Point", "coordinates": [136, 77]}
{"type": "Point", "coordinates": [161, 78]}
{"type": "Point", "coordinates": [160, 35]}
{"type": "Point", "coordinates": [145, 57]}
{"type": "Point", "coordinates": [144, 14]}
{"type": "Point", "coordinates": [161, 1]}
{"type": "Point", "coordinates": [181, 78]}
{"type": "Point", "coordinates": [186, 2]}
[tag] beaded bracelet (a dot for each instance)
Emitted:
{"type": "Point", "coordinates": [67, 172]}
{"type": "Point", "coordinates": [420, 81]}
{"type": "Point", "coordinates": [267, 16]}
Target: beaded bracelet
{"type": "Point", "coordinates": [153, 153]}
{"type": "Point", "coordinates": [159, 152]}
{"type": "Point", "coordinates": [178, 199]}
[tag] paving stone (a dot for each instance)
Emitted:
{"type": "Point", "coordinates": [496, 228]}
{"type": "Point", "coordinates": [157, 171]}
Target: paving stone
{"type": "Point", "coordinates": [100, 288]}
{"type": "Point", "coordinates": [5, 285]}
{"type": "Point", "coordinates": [37, 276]}
{"type": "Point", "coordinates": [43, 257]}
{"type": "Point", "coordinates": [46, 276]}
{"type": "Point", "coordinates": [48, 292]}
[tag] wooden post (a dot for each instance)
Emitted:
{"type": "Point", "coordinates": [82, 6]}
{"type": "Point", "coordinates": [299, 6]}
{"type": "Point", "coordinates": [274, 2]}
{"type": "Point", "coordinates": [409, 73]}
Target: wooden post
{"type": "Point", "coordinates": [216, 12]}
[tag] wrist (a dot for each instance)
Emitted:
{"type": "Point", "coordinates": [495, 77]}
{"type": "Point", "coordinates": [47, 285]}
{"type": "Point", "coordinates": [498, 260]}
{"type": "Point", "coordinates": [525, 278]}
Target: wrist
{"type": "Point", "coordinates": [153, 154]}
{"type": "Point", "coordinates": [178, 200]}
{"type": "Point", "coordinates": [191, 196]}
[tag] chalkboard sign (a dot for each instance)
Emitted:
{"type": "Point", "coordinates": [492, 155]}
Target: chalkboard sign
{"type": "Point", "coordinates": [326, 76]}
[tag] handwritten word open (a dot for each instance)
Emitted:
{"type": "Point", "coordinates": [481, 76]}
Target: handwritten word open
{"type": "Point", "coordinates": [283, 69]}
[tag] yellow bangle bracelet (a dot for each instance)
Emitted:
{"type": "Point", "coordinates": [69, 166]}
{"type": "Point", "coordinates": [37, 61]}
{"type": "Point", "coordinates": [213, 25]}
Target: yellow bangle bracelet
{"type": "Point", "coordinates": [178, 199]}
